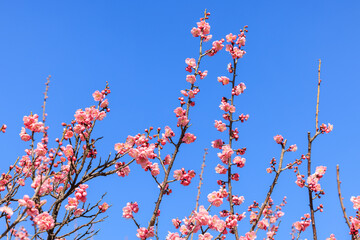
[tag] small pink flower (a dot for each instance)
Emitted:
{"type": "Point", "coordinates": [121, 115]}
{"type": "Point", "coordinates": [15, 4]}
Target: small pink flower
{"type": "Point", "coordinates": [292, 148]}
{"type": "Point", "coordinates": [220, 169]}
{"type": "Point", "coordinates": [182, 121]}
{"type": "Point", "coordinates": [72, 204]}
{"type": "Point", "coordinates": [195, 32]}
{"type": "Point", "coordinates": [104, 207]}
{"type": "Point", "coordinates": [26, 202]}
{"type": "Point", "coordinates": [97, 96]}
{"type": "Point", "coordinates": [356, 202]}
{"type": "Point", "coordinates": [24, 136]}
{"type": "Point", "coordinates": [278, 139]}
{"type": "Point", "coordinates": [191, 79]}
{"type": "Point", "coordinates": [215, 199]}
{"type": "Point", "coordinates": [239, 89]}
{"type": "Point", "coordinates": [143, 233]}
{"type": "Point", "coordinates": [263, 224]}
{"type": "Point", "coordinates": [191, 62]}
{"type": "Point", "coordinates": [223, 80]}
{"type": "Point", "coordinates": [205, 236]}
{"type": "Point", "coordinates": [7, 210]}
{"type": "Point", "coordinates": [218, 143]}
{"type": "Point", "coordinates": [78, 212]}
{"type": "Point", "coordinates": [220, 126]}
{"type": "Point", "coordinates": [155, 169]}
{"type": "Point", "coordinates": [189, 138]}
{"type": "Point", "coordinates": [239, 161]}
{"type": "Point", "coordinates": [44, 221]}
{"type": "Point", "coordinates": [332, 237]}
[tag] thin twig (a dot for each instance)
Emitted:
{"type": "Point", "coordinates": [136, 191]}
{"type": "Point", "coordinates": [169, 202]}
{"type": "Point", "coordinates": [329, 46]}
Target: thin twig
{"type": "Point", "coordinates": [340, 197]}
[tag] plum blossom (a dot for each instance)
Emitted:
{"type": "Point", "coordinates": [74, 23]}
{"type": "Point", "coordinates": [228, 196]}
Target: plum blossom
{"type": "Point", "coordinates": [44, 221]}
{"type": "Point", "coordinates": [223, 80]}
{"type": "Point", "coordinates": [218, 143]}
{"type": "Point", "coordinates": [144, 233]}
{"type": "Point", "coordinates": [326, 129]}
{"type": "Point", "coordinates": [220, 169]}
{"type": "Point", "coordinates": [24, 136]}
{"type": "Point", "coordinates": [220, 126]}
{"type": "Point", "coordinates": [191, 79]}
{"type": "Point", "coordinates": [189, 138]}
{"type": "Point", "coordinates": [278, 139]}
{"type": "Point", "coordinates": [239, 89]}
{"type": "Point", "coordinates": [98, 96]}
{"type": "Point", "coordinates": [356, 202]}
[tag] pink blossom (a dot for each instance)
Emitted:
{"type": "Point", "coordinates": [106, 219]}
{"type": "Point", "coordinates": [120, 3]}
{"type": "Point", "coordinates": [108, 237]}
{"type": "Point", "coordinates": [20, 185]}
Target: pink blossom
{"type": "Point", "coordinates": [218, 143]}
{"type": "Point", "coordinates": [69, 152]}
{"type": "Point", "coordinates": [81, 193]}
{"type": "Point", "coordinates": [104, 104]}
{"type": "Point", "coordinates": [220, 126]}
{"type": "Point", "coordinates": [243, 117]}
{"type": "Point", "coordinates": [300, 181]}
{"type": "Point", "coordinates": [44, 221]}
{"type": "Point", "coordinates": [40, 150]}
{"type": "Point", "coordinates": [189, 138]}
{"type": "Point", "coordinates": [332, 237]}
{"type": "Point", "coordinates": [239, 89]}
{"type": "Point", "coordinates": [220, 169]}
{"type": "Point", "coordinates": [122, 171]}
{"type": "Point", "coordinates": [103, 207]}
{"type": "Point", "coordinates": [191, 62]}
{"type": "Point", "coordinates": [31, 122]}
{"type": "Point", "coordinates": [278, 139]}
{"type": "Point", "coordinates": [227, 107]}
{"type": "Point", "coordinates": [97, 96]}
{"type": "Point", "coordinates": [179, 112]}
{"type": "Point", "coordinates": [263, 224]}
{"type": "Point", "coordinates": [195, 32]}
{"type": "Point", "coordinates": [241, 41]}
{"type": "Point", "coordinates": [226, 153]}
{"type": "Point", "coordinates": [355, 223]}
{"type": "Point", "coordinates": [206, 236]}
{"type": "Point", "coordinates": [72, 204]}
{"type": "Point", "coordinates": [223, 80]}
{"type": "Point", "coordinates": [239, 161]}
{"type": "Point", "coordinates": [168, 132]}
{"type": "Point", "coordinates": [191, 79]}
{"type": "Point", "coordinates": [26, 202]}
{"type": "Point", "coordinates": [231, 221]}
{"type": "Point", "coordinates": [176, 222]}
{"type": "Point", "coordinates": [129, 209]}
{"type": "Point", "coordinates": [143, 233]}
{"type": "Point", "coordinates": [173, 236]}
{"type": "Point", "coordinates": [230, 37]}
{"type": "Point", "coordinates": [182, 121]}
{"type": "Point", "coordinates": [293, 148]}
{"type": "Point", "coordinates": [155, 169]}
{"type": "Point", "coordinates": [326, 129]}
{"type": "Point", "coordinates": [215, 199]}
{"type": "Point", "coordinates": [78, 212]}
{"type": "Point", "coordinates": [204, 27]}
{"type": "Point", "coordinates": [356, 202]}
{"type": "Point", "coordinates": [24, 136]}
{"type": "Point", "coordinates": [320, 171]}
{"type": "Point", "coordinates": [238, 200]}
{"type": "Point", "coordinates": [202, 74]}
{"type": "Point", "coordinates": [7, 210]}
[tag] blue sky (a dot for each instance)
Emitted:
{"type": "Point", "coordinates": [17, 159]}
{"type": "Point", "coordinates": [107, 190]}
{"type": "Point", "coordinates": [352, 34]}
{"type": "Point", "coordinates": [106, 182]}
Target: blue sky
{"type": "Point", "coordinates": [139, 47]}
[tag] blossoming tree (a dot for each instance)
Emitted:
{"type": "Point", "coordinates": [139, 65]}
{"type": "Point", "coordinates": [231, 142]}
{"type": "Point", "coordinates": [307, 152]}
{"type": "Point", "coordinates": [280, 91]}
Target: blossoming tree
{"type": "Point", "coordinates": [45, 191]}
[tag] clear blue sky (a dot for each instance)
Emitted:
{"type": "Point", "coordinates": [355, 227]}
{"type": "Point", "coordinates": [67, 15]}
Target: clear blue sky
{"type": "Point", "coordinates": [140, 48]}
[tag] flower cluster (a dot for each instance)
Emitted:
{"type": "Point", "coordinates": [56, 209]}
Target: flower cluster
{"type": "Point", "coordinates": [129, 209]}
{"type": "Point", "coordinates": [183, 176]}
